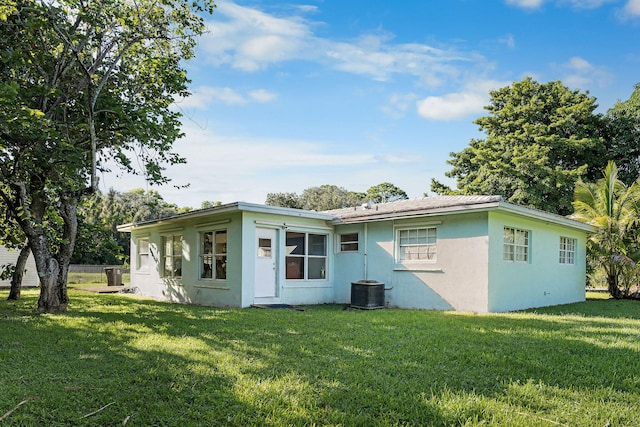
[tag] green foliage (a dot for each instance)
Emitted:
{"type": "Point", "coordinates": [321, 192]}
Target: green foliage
{"type": "Point", "coordinates": [540, 139]}
{"type": "Point", "coordinates": [322, 198]}
{"type": "Point", "coordinates": [623, 131]}
{"type": "Point", "coordinates": [285, 200]}
{"type": "Point", "coordinates": [99, 241]}
{"type": "Point", "coordinates": [115, 360]}
{"type": "Point", "coordinates": [327, 197]}
{"type": "Point", "coordinates": [385, 192]}
{"type": "Point", "coordinates": [209, 204]}
{"type": "Point", "coordinates": [613, 207]}
{"type": "Point", "coordinates": [85, 84]}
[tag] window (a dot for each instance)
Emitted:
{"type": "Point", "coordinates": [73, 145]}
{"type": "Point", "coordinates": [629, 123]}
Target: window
{"type": "Point", "coordinates": [348, 242]}
{"type": "Point", "coordinates": [516, 245]}
{"type": "Point", "coordinates": [172, 256]}
{"type": "Point", "coordinates": [306, 256]}
{"type": "Point", "coordinates": [264, 248]}
{"type": "Point", "coordinates": [417, 244]}
{"type": "Point", "coordinates": [143, 254]}
{"type": "Point", "coordinates": [567, 250]}
{"type": "Point", "coordinates": [213, 255]}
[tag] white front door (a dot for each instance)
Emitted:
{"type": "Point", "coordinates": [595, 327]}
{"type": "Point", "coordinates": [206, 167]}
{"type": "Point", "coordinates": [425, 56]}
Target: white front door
{"type": "Point", "coordinates": [265, 280]}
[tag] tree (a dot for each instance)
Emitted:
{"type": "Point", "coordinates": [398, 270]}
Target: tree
{"type": "Point", "coordinates": [99, 241]}
{"type": "Point", "coordinates": [12, 237]}
{"type": "Point", "coordinates": [612, 207]}
{"type": "Point", "coordinates": [209, 204]}
{"type": "Point", "coordinates": [327, 197]}
{"type": "Point", "coordinates": [81, 83]}
{"type": "Point", "coordinates": [285, 200]}
{"type": "Point", "coordinates": [540, 139]}
{"type": "Point", "coordinates": [322, 198]}
{"type": "Point", "coordinates": [623, 130]}
{"type": "Point", "coordinates": [385, 192]}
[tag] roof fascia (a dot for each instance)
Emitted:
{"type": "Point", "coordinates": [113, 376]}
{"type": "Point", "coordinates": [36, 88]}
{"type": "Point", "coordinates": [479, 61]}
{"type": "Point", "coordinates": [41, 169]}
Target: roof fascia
{"type": "Point", "coordinates": [477, 207]}
{"type": "Point", "coordinates": [546, 216]}
{"type": "Point", "coordinates": [225, 209]}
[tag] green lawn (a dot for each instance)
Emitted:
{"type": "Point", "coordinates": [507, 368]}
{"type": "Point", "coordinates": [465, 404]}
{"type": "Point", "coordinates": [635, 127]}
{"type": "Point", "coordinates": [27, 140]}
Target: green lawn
{"type": "Point", "coordinates": [117, 360]}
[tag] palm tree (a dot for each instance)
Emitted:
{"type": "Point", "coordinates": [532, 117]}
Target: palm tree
{"type": "Point", "coordinates": [612, 207]}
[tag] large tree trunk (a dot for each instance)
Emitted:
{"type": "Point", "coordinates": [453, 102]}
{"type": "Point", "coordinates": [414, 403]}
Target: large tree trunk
{"type": "Point", "coordinates": [69, 213]}
{"type": "Point", "coordinates": [52, 267]}
{"type": "Point", "coordinates": [18, 274]}
{"type": "Point", "coordinates": [52, 298]}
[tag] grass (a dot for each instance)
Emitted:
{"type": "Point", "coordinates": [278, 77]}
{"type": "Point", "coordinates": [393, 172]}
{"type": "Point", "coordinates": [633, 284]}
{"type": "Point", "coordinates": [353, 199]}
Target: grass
{"type": "Point", "coordinates": [121, 360]}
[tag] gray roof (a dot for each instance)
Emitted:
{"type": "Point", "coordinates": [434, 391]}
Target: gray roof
{"type": "Point", "coordinates": [409, 207]}
{"type": "Point", "coordinates": [439, 205]}
{"type": "Point", "coordinates": [429, 206]}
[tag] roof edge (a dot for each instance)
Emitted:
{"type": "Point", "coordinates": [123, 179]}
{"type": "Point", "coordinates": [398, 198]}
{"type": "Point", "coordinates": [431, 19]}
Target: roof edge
{"type": "Point", "coordinates": [226, 208]}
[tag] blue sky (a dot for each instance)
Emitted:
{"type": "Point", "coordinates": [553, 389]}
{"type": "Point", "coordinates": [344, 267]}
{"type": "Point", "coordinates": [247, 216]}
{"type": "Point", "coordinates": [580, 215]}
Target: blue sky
{"type": "Point", "coordinates": [294, 94]}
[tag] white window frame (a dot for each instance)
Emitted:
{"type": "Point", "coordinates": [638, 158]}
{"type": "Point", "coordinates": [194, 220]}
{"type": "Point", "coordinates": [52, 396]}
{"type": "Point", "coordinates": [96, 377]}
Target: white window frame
{"type": "Point", "coordinates": [344, 244]}
{"type": "Point", "coordinates": [513, 249]}
{"type": "Point", "coordinates": [307, 257]}
{"type": "Point", "coordinates": [567, 253]}
{"type": "Point", "coordinates": [416, 244]}
{"type": "Point", "coordinates": [172, 256]}
{"type": "Point", "coordinates": [142, 253]}
{"type": "Point", "coordinates": [217, 254]}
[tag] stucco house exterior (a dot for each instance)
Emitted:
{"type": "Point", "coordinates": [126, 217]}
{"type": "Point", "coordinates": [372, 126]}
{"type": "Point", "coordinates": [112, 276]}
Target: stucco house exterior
{"type": "Point", "coordinates": [467, 253]}
{"type": "Point", "coordinates": [9, 256]}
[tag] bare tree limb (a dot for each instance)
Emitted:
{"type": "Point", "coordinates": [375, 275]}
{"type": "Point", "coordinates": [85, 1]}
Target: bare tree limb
{"type": "Point", "coordinates": [95, 412]}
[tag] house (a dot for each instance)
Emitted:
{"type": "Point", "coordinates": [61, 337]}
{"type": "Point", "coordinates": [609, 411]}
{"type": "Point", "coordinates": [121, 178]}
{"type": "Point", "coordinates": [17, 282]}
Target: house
{"type": "Point", "coordinates": [467, 253]}
{"type": "Point", "coordinates": [9, 257]}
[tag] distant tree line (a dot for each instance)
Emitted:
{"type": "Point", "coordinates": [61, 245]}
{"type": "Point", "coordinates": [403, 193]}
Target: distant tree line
{"type": "Point", "coordinates": [99, 241]}
{"type": "Point", "coordinates": [327, 197]}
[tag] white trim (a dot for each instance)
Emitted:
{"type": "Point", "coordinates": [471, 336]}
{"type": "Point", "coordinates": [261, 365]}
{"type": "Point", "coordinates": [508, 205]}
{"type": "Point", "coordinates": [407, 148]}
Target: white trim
{"type": "Point", "coordinates": [168, 231]}
{"type": "Point", "coordinates": [286, 225]}
{"type": "Point", "coordinates": [213, 223]}
{"type": "Point", "coordinates": [306, 287]}
{"type": "Point", "coordinates": [401, 267]}
{"type": "Point", "coordinates": [415, 224]}
{"type": "Point", "coordinates": [222, 288]}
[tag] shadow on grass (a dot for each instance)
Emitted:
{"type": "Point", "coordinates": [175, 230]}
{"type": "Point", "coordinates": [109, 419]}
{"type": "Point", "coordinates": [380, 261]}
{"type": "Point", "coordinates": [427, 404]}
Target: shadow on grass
{"type": "Point", "coordinates": [168, 364]}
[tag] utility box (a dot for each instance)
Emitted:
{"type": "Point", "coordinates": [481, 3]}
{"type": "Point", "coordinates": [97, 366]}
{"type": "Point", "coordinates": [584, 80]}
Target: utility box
{"type": "Point", "coordinates": [114, 276]}
{"type": "Point", "coordinates": [367, 294]}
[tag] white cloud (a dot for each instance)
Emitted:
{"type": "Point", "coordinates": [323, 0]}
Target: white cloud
{"type": "Point", "coordinates": [577, 4]}
{"type": "Point", "coordinates": [263, 95]}
{"type": "Point", "coordinates": [203, 96]}
{"type": "Point", "coordinates": [580, 73]}
{"type": "Point", "coordinates": [508, 41]}
{"type": "Point", "coordinates": [632, 9]}
{"type": "Point", "coordinates": [451, 106]}
{"type": "Point", "coordinates": [252, 40]}
{"type": "Point", "coordinates": [233, 168]}
{"type": "Point", "coordinates": [460, 104]}
{"type": "Point", "coordinates": [526, 4]}
{"type": "Point", "coordinates": [399, 104]}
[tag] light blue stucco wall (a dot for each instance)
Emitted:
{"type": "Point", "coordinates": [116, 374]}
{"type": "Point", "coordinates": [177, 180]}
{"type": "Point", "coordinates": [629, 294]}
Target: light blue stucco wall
{"type": "Point", "coordinates": [348, 266]}
{"type": "Point", "coordinates": [238, 289]}
{"type": "Point", "coordinates": [456, 279]}
{"type": "Point", "coordinates": [190, 288]}
{"type": "Point", "coordinates": [468, 273]}
{"type": "Point", "coordinates": [288, 291]}
{"type": "Point", "coordinates": [542, 281]}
